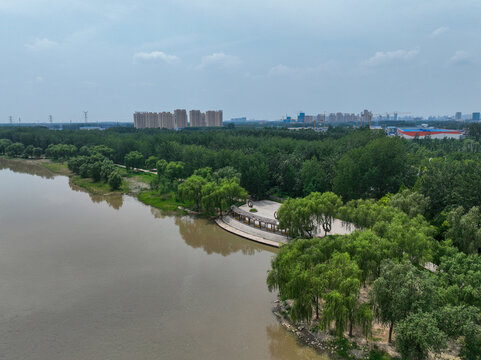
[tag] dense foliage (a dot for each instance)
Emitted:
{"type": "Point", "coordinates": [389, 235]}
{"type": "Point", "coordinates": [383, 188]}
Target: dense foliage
{"type": "Point", "coordinates": [411, 203]}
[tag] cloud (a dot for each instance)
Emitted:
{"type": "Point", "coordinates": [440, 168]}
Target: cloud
{"type": "Point", "coordinates": [219, 60]}
{"type": "Point", "coordinates": [460, 57]}
{"type": "Point", "coordinates": [155, 56]}
{"type": "Point", "coordinates": [283, 70]}
{"type": "Point", "coordinates": [41, 44]}
{"type": "Point", "coordinates": [386, 57]}
{"type": "Point", "coordinates": [439, 31]}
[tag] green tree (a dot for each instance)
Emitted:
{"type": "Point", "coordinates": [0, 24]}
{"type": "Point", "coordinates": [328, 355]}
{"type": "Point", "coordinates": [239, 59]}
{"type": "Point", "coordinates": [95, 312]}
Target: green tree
{"type": "Point", "coordinates": [402, 289]}
{"type": "Point", "coordinates": [342, 292]}
{"type": "Point", "coordinates": [4, 143]}
{"type": "Point", "coordinates": [465, 229]}
{"type": "Point", "coordinates": [161, 166]}
{"type": "Point", "coordinates": [314, 177]}
{"type": "Point", "coordinates": [174, 170]}
{"type": "Point", "coordinates": [410, 202]}
{"type": "Point", "coordinates": [374, 170]}
{"type": "Point", "coordinates": [295, 216]}
{"type": "Point", "coordinates": [151, 162]}
{"type": "Point", "coordinates": [191, 189]}
{"type": "Point", "coordinates": [115, 180]}
{"type": "Point", "coordinates": [324, 208]}
{"type": "Point", "coordinates": [417, 335]}
{"type": "Point", "coordinates": [15, 149]}
{"type": "Point", "coordinates": [134, 159]}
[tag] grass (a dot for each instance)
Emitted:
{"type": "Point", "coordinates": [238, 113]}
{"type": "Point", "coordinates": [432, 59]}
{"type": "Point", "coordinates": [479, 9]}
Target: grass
{"type": "Point", "coordinates": [253, 210]}
{"type": "Point", "coordinates": [56, 167]}
{"type": "Point", "coordinates": [166, 202]}
{"type": "Point", "coordinates": [100, 187]}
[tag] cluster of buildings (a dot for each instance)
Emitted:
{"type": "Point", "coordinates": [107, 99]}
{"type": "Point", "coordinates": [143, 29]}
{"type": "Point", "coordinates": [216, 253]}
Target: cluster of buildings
{"type": "Point", "coordinates": [178, 119]}
{"type": "Point", "coordinates": [365, 117]}
{"type": "Point", "coordinates": [476, 116]}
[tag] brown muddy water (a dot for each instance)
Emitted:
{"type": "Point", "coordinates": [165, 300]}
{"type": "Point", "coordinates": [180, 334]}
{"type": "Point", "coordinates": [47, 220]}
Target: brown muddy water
{"type": "Point", "coordinates": [91, 277]}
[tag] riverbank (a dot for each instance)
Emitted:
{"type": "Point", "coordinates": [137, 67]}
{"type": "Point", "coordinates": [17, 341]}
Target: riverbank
{"type": "Point", "coordinates": [355, 348]}
{"type": "Point", "coordinates": [136, 184]}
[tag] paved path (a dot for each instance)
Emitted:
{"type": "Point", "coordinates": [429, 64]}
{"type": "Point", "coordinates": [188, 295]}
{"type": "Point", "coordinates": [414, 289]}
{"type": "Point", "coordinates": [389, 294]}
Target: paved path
{"type": "Point", "coordinates": [136, 169]}
{"type": "Point", "coordinates": [251, 233]}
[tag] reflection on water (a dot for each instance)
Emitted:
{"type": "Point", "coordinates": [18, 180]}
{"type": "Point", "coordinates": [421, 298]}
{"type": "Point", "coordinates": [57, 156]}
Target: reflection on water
{"type": "Point", "coordinates": [80, 280]}
{"type": "Point", "coordinates": [279, 345]}
{"type": "Point", "coordinates": [214, 240]}
{"type": "Point", "coordinates": [113, 200]}
{"type": "Point", "coordinates": [26, 167]}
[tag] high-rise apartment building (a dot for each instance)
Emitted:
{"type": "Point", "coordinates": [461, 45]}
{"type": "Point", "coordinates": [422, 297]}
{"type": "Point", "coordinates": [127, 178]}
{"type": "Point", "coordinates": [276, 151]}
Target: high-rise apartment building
{"type": "Point", "coordinates": [195, 118]}
{"type": "Point", "coordinates": [458, 116]}
{"type": "Point", "coordinates": [167, 120]}
{"type": "Point", "coordinates": [180, 118]}
{"type": "Point", "coordinates": [210, 118]}
{"type": "Point", "coordinates": [339, 117]}
{"type": "Point", "coordinates": [476, 116]}
{"type": "Point", "coordinates": [219, 118]}
{"type": "Point", "coordinates": [332, 118]}
{"type": "Point", "coordinates": [177, 120]}
{"type": "Point", "coordinates": [146, 120]}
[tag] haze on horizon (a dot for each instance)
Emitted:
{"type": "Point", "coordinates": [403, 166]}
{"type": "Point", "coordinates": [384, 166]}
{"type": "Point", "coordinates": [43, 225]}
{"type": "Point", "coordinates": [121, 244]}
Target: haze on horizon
{"type": "Point", "coordinates": [256, 58]}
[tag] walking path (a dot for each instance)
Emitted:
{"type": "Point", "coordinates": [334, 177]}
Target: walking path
{"type": "Point", "coordinates": [251, 233]}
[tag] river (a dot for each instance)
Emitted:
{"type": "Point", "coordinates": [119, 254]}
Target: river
{"type": "Point", "coordinates": [94, 277]}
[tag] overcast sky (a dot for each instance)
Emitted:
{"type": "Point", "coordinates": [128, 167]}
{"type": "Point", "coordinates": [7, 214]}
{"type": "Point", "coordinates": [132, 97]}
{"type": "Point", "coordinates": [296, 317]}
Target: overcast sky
{"type": "Point", "coordinates": [256, 58]}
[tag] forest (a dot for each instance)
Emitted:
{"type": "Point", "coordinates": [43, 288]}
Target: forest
{"type": "Point", "coordinates": [415, 205]}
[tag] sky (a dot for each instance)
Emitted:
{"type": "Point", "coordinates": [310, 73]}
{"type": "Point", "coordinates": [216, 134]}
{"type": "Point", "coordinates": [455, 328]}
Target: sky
{"type": "Point", "coordinates": [262, 59]}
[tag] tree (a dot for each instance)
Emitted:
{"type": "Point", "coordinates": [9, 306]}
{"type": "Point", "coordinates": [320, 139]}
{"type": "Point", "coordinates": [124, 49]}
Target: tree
{"type": "Point", "coordinates": [313, 177]}
{"type": "Point", "coordinates": [37, 152]}
{"type": "Point", "coordinates": [410, 202]}
{"type": "Point", "coordinates": [134, 159]}
{"type": "Point", "coordinates": [342, 292]}
{"type": "Point", "coordinates": [151, 162]}
{"type": "Point", "coordinates": [4, 143]}
{"type": "Point", "coordinates": [465, 229]}
{"type": "Point", "coordinates": [401, 290]}
{"type": "Point", "coordinates": [174, 170]}
{"type": "Point", "coordinates": [295, 216]}
{"type": "Point", "coordinates": [15, 149]}
{"type": "Point", "coordinates": [28, 152]}
{"type": "Point", "coordinates": [374, 170]}
{"type": "Point", "coordinates": [191, 189]}
{"type": "Point", "coordinates": [115, 180]}
{"type": "Point", "coordinates": [417, 335]}
{"type": "Point", "coordinates": [474, 130]}
{"type": "Point", "coordinates": [161, 166]}
{"type": "Point", "coordinates": [324, 208]}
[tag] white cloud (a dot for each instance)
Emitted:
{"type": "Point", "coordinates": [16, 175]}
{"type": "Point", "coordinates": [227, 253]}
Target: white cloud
{"type": "Point", "coordinates": [283, 70]}
{"type": "Point", "coordinates": [219, 60]}
{"type": "Point", "coordinates": [386, 57]}
{"type": "Point", "coordinates": [460, 57]}
{"type": "Point", "coordinates": [439, 31]}
{"type": "Point", "coordinates": [41, 44]}
{"type": "Point", "coordinates": [154, 56]}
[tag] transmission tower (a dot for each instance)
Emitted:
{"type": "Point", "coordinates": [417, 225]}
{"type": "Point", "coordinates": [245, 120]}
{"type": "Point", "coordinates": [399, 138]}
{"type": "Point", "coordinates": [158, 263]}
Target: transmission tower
{"type": "Point", "coordinates": [10, 119]}
{"type": "Point", "coordinates": [86, 116]}
{"type": "Point", "coordinates": [50, 119]}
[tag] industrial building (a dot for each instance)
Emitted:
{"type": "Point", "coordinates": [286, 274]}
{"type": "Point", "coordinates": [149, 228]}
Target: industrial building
{"type": "Point", "coordinates": [423, 133]}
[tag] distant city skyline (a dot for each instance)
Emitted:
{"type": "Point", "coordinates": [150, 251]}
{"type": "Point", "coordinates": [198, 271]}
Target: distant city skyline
{"type": "Point", "coordinates": [256, 59]}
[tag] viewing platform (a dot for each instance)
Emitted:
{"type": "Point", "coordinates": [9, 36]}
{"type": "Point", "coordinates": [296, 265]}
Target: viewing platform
{"type": "Point", "coordinates": [262, 225]}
